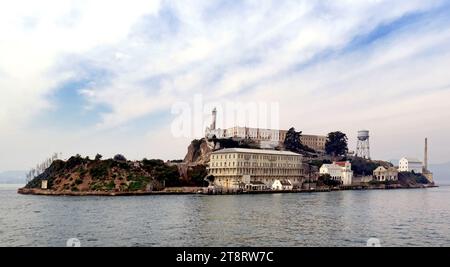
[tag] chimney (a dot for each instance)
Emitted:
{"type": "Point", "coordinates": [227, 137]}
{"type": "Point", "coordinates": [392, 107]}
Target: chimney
{"type": "Point", "coordinates": [425, 162]}
{"type": "Point", "coordinates": [214, 119]}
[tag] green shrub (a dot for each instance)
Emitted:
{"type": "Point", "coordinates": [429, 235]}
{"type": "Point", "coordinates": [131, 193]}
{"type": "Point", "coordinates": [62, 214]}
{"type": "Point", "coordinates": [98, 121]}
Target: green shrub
{"type": "Point", "coordinates": [100, 171]}
{"type": "Point", "coordinates": [110, 186]}
{"type": "Point", "coordinates": [135, 186]}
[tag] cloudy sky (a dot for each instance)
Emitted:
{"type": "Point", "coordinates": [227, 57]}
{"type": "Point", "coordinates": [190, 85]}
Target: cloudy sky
{"type": "Point", "coordinates": [102, 76]}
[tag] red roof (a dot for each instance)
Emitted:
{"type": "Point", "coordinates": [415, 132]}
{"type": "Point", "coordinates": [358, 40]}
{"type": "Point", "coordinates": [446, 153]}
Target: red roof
{"type": "Point", "coordinates": [341, 163]}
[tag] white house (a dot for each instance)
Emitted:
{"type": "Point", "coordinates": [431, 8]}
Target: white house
{"type": "Point", "coordinates": [410, 165]}
{"type": "Point", "coordinates": [282, 185]}
{"type": "Point", "coordinates": [341, 171]}
{"type": "Point", "coordinates": [385, 174]}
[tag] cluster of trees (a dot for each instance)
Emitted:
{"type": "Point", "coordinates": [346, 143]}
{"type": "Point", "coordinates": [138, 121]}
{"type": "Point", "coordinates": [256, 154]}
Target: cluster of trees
{"type": "Point", "coordinates": [169, 175]}
{"type": "Point", "coordinates": [363, 167]}
{"type": "Point", "coordinates": [336, 144]}
{"type": "Point", "coordinates": [327, 180]}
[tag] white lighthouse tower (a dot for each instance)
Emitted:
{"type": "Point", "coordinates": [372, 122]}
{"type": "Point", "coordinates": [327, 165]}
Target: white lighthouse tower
{"type": "Point", "coordinates": [214, 119]}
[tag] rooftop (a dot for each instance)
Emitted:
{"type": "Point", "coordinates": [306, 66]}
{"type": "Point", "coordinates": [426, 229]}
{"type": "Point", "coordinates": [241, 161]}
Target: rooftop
{"type": "Point", "coordinates": [257, 183]}
{"type": "Point", "coordinates": [255, 151]}
{"type": "Point", "coordinates": [285, 183]}
{"type": "Point", "coordinates": [341, 163]}
{"type": "Point", "coordinates": [414, 160]}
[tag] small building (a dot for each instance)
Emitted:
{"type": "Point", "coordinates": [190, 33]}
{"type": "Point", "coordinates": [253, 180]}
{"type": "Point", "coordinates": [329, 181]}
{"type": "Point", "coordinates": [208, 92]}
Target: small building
{"type": "Point", "coordinates": [382, 174]}
{"type": "Point", "coordinates": [284, 185]}
{"type": "Point", "coordinates": [410, 165]}
{"type": "Point", "coordinates": [340, 171]}
{"type": "Point", "coordinates": [44, 184]}
{"type": "Point", "coordinates": [255, 186]}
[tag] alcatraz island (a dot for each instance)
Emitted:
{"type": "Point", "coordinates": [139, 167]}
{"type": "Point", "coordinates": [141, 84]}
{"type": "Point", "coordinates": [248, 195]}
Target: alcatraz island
{"type": "Point", "coordinates": [237, 160]}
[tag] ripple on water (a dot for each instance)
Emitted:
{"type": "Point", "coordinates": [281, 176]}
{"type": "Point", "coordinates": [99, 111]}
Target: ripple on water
{"type": "Point", "coordinates": [398, 218]}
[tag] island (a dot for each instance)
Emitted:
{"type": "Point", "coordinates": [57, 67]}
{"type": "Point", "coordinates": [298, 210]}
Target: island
{"type": "Point", "coordinates": [197, 172]}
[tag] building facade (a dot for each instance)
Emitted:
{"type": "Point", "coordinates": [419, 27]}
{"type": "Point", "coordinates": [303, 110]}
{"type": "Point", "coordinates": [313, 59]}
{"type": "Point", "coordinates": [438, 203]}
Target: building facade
{"type": "Point", "coordinates": [410, 165]}
{"type": "Point", "coordinates": [238, 168]}
{"type": "Point", "coordinates": [382, 174]}
{"type": "Point", "coordinates": [340, 171]}
{"type": "Point", "coordinates": [316, 142]}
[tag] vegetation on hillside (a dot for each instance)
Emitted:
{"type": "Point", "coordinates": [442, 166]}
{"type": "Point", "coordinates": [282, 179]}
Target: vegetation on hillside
{"type": "Point", "coordinates": [118, 174]}
{"type": "Point", "coordinates": [231, 143]}
{"type": "Point", "coordinates": [412, 178]}
{"type": "Point", "coordinates": [79, 174]}
{"type": "Point", "coordinates": [327, 180]}
{"type": "Point", "coordinates": [364, 167]}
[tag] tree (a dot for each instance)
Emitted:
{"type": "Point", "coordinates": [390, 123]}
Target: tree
{"type": "Point", "coordinates": [197, 175]}
{"type": "Point", "coordinates": [292, 141]}
{"type": "Point", "coordinates": [98, 157]}
{"type": "Point", "coordinates": [336, 144]}
{"type": "Point", "coordinates": [361, 166]}
{"type": "Point", "coordinates": [120, 157]}
{"type": "Point", "coordinates": [327, 180]}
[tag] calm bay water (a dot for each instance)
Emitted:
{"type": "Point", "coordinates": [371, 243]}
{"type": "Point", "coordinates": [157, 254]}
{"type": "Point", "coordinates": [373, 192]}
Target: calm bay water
{"type": "Point", "coordinates": [349, 218]}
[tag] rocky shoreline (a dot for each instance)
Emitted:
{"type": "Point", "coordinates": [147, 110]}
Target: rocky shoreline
{"type": "Point", "coordinates": [205, 191]}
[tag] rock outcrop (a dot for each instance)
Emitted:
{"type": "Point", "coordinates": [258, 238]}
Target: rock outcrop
{"type": "Point", "coordinates": [198, 152]}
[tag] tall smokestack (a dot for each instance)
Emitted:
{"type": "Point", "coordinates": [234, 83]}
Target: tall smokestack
{"type": "Point", "coordinates": [214, 119]}
{"type": "Point", "coordinates": [425, 161]}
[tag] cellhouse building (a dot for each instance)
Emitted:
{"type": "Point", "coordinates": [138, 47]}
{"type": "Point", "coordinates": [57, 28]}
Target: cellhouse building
{"type": "Point", "coordinates": [236, 168]}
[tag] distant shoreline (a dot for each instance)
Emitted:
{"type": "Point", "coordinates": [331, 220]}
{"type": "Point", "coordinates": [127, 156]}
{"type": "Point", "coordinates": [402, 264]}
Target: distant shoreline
{"type": "Point", "coordinates": [204, 191]}
{"type": "Point", "coordinates": [11, 185]}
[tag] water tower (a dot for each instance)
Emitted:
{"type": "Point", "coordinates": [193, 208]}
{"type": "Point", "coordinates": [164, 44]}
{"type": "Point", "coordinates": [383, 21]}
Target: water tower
{"type": "Point", "coordinates": [363, 147]}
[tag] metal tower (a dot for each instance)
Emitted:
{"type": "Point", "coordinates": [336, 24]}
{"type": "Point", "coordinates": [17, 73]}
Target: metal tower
{"type": "Point", "coordinates": [363, 146]}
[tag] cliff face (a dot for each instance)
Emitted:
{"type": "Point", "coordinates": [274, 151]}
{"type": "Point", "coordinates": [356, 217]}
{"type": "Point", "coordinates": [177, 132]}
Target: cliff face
{"type": "Point", "coordinates": [198, 152]}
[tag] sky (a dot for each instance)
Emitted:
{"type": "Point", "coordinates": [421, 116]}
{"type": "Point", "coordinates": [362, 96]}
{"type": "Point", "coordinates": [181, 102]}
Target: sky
{"type": "Point", "coordinates": [98, 76]}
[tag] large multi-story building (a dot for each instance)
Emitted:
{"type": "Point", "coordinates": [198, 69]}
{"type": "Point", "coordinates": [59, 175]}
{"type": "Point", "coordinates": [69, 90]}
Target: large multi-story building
{"type": "Point", "coordinates": [340, 171]}
{"type": "Point", "coordinates": [316, 142]}
{"type": "Point", "coordinates": [410, 165]}
{"type": "Point", "coordinates": [266, 136]}
{"type": "Point", "coordinates": [235, 168]}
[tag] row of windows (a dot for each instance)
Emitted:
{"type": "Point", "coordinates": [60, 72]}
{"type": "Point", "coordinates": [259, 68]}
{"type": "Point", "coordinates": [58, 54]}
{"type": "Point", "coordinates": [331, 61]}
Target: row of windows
{"type": "Point", "coordinates": [264, 180]}
{"type": "Point", "coordinates": [260, 157]}
{"type": "Point", "coordinates": [257, 171]}
{"type": "Point", "coordinates": [255, 164]}
{"type": "Point", "coordinates": [389, 177]}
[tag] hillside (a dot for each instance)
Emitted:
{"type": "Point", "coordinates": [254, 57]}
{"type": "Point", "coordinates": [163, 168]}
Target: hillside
{"type": "Point", "coordinates": [84, 175]}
